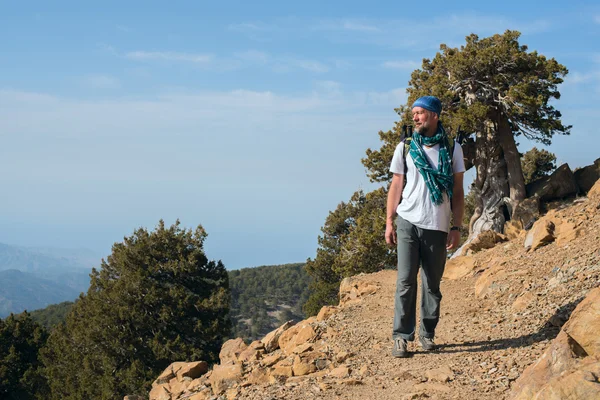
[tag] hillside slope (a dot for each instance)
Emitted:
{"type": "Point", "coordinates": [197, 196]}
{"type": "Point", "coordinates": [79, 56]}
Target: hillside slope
{"type": "Point", "coordinates": [501, 310]}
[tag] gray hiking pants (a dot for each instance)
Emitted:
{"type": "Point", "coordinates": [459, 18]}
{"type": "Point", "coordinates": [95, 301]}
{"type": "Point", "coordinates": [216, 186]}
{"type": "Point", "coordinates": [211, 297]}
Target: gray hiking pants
{"type": "Point", "coordinates": [427, 247]}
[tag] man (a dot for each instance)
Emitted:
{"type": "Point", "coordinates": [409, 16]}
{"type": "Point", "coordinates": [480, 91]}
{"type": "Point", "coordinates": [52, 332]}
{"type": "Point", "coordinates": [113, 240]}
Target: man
{"type": "Point", "coordinates": [433, 192]}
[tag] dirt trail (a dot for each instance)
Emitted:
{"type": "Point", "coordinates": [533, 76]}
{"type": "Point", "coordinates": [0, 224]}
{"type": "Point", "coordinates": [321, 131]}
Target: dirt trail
{"type": "Point", "coordinates": [485, 342]}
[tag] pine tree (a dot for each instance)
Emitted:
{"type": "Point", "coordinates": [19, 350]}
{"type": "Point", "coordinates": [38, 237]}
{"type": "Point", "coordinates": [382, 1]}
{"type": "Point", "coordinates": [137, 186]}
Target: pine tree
{"type": "Point", "coordinates": [21, 338]}
{"type": "Point", "coordinates": [155, 300]}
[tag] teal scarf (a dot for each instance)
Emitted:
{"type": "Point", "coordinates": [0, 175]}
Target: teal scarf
{"type": "Point", "coordinates": [438, 180]}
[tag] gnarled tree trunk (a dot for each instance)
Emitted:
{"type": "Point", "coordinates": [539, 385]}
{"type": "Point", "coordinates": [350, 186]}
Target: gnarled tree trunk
{"type": "Point", "coordinates": [514, 171]}
{"type": "Point", "coordinates": [490, 183]}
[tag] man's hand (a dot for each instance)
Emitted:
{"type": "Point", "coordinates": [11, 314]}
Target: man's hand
{"type": "Point", "coordinates": [453, 240]}
{"type": "Point", "coordinates": [390, 234]}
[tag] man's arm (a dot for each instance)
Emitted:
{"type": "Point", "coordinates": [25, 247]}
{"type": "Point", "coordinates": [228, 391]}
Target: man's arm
{"type": "Point", "coordinates": [393, 199]}
{"type": "Point", "coordinates": [458, 209]}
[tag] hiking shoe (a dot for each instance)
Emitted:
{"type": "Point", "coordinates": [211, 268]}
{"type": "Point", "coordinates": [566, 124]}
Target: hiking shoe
{"type": "Point", "coordinates": [427, 343]}
{"type": "Point", "coordinates": [400, 348]}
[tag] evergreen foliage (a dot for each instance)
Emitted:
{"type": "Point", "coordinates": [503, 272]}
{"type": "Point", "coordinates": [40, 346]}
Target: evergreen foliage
{"type": "Point", "coordinates": [351, 242]}
{"type": "Point", "coordinates": [20, 369]}
{"type": "Point", "coordinates": [52, 315]}
{"type": "Point", "coordinates": [155, 299]}
{"type": "Point", "coordinates": [265, 297]}
{"type": "Point", "coordinates": [537, 163]}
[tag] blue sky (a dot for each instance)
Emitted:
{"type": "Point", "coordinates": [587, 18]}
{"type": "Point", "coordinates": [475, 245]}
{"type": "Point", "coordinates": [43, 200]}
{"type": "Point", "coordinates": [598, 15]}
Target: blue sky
{"type": "Point", "coordinates": [249, 118]}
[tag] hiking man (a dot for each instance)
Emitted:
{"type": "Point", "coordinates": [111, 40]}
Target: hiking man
{"type": "Point", "coordinates": [426, 189]}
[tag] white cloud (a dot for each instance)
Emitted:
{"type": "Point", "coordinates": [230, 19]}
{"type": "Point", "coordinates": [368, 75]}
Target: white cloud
{"type": "Point", "coordinates": [170, 56]}
{"type": "Point", "coordinates": [96, 81]}
{"type": "Point", "coordinates": [401, 65]}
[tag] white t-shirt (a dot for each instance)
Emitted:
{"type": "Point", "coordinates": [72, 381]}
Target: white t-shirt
{"type": "Point", "coordinates": [416, 206]}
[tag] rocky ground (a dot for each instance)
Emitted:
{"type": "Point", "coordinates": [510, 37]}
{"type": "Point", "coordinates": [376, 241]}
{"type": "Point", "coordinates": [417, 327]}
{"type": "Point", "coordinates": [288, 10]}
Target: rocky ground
{"type": "Point", "coordinates": [501, 309]}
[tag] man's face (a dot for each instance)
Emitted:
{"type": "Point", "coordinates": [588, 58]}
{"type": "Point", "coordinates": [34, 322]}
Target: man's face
{"type": "Point", "coordinates": [425, 121]}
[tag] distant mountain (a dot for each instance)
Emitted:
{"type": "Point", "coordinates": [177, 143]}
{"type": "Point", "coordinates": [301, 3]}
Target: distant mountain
{"type": "Point", "coordinates": [21, 291]}
{"type": "Point", "coordinates": [49, 276]}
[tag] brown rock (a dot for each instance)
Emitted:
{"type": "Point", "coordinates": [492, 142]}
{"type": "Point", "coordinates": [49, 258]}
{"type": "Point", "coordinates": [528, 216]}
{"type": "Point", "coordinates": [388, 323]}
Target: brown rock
{"type": "Point", "coordinates": [282, 371]}
{"type": "Point", "coordinates": [561, 183]}
{"type": "Point", "coordinates": [232, 394]}
{"type": "Point", "coordinates": [271, 360]}
{"type": "Point", "coordinates": [159, 392]}
{"type": "Point", "coordinates": [512, 229]}
{"type": "Point", "coordinates": [169, 373]}
{"type": "Point", "coordinates": [230, 351]}
{"type": "Point", "coordinates": [192, 370]}
{"type": "Point", "coordinates": [177, 387]}
{"type": "Point", "coordinates": [582, 383]}
{"type": "Point", "coordinates": [594, 192]}
{"type": "Point", "coordinates": [523, 301]}
{"type": "Point", "coordinates": [586, 177]}
{"type": "Point", "coordinates": [303, 366]}
{"type": "Point", "coordinates": [226, 376]}
{"type": "Point", "coordinates": [340, 372]}
{"type": "Point", "coordinates": [259, 376]}
{"type": "Point", "coordinates": [303, 348]}
{"type": "Point", "coordinates": [584, 324]}
{"type": "Point", "coordinates": [562, 355]}
{"type": "Point", "coordinates": [299, 334]}
{"type": "Point", "coordinates": [352, 288]}
{"type": "Point", "coordinates": [342, 356]}
{"type": "Point", "coordinates": [459, 267]}
{"type": "Point", "coordinates": [133, 397]}
{"type": "Point", "coordinates": [566, 233]}
{"type": "Point", "coordinates": [271, 340]}
{"type": "Point", "coordinates": [485, 240]}
{"type": "Point", "coordinates": [250, 354]}
{"type": "Point", "coordinates": [540, 235]}
{"type": "Point", "coordinates": [326, 312]}
{"type": "Point", "coordinates": [443, 374]}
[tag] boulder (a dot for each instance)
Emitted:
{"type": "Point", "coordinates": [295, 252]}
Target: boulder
{"type": "Point", "coordinates": [326, 312]}
{"type": "Point", "coordinates": [561, 183]}
{"type": "Point", "coordinates": [224, 377]}
{"type": "Point", "coordinates": [570, 367]}
{"type": "Point", "coordinates": [566, 232]}
{"type": "Point", "coordinates": [561, 356]}
{"type": "Point", "coordinates": [192, 370]}
{"type": "Point", "coordinates": [300, 333]}
{"type": "Point", "coordinates": [231, 350]}
{"type": "Point", "coordinates": [580, 383]}
{"type": "Point", "coordinates": [586, 177]}
{"type": "Point", "coordinates": [485, 240]}
{"type": "Point", "coordinates": [169, 373]}
{"type": "Point", "coordinates": [594, 192]}
{"type": "Point", "coordinates": [540, 234]}
{"type": "Point", "coordinates": [271, 340]}
{"type": "Point", "coordinates": [459, 267]}
{"type": "Point", "coordinates": [584, 324]}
